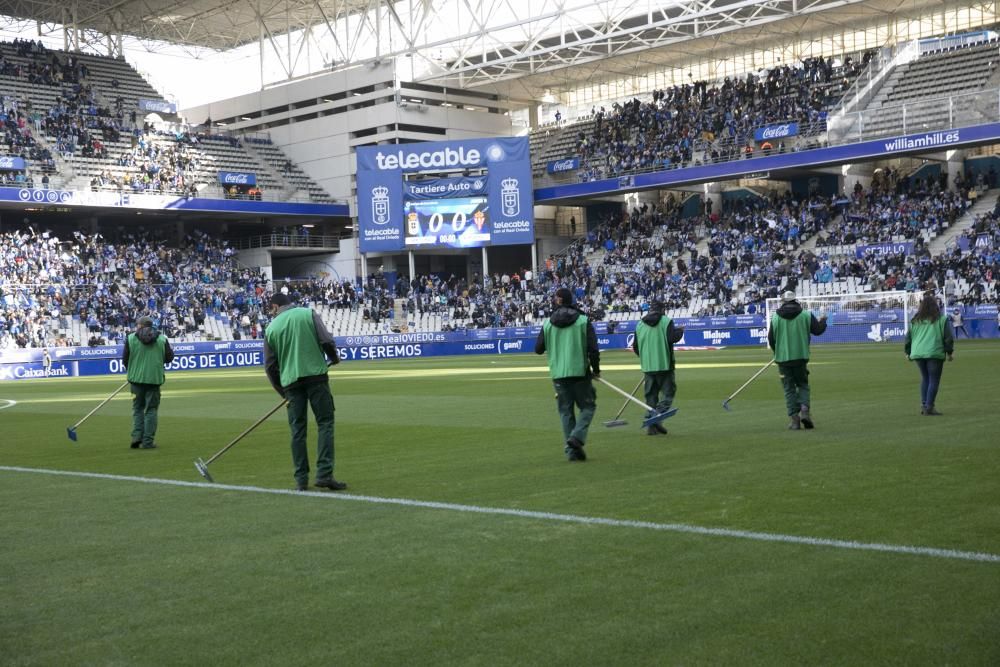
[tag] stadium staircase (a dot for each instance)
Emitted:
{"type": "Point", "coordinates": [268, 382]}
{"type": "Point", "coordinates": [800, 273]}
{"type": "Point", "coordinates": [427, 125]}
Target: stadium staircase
{"type": "Point", "coordinates": [559, 144]}
{"type": "Point", "coordinates": [297, 184]}
{"type": "Point", "coordinates": [985, 203]}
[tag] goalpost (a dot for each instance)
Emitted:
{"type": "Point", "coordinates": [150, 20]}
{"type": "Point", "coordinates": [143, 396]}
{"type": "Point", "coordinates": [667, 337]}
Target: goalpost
{"type": "Point", "coordinates": [863, 317]}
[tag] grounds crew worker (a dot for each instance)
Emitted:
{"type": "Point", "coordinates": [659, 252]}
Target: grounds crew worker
{"type": "Point", "coordinates": [146, 353]}
{"type": "Point", "coordinates": [571, 343]}
{"type": "Point", "coordinates": [788, 336]}
{"type": "Point", "coordinates": [297, 347]}
{"type": "Point", "coordinates": [654, 340]}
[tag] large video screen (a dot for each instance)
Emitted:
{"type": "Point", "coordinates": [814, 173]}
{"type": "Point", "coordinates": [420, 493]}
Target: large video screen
{"type": "Point", "coordinates": [450, 194]}
{"type": "Point", "coordinates": [455, 223]}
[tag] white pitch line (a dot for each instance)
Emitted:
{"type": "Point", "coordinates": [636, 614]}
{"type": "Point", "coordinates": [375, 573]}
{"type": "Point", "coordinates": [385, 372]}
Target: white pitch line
{"type": "Point", "coordinates": [933, 552]}
{"type": "Point", "coordinates": [10, 403]}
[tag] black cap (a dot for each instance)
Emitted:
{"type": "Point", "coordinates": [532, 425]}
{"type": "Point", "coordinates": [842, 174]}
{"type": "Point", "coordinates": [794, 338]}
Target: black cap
{"type": "Point", "coordinates": [565, 296]}
{"type": "Point", "coordinates": [280, 299]}
{"type": "Point", "coordinates": [656, 307]}
{"type": "Point", "coordinates": [144, 321]}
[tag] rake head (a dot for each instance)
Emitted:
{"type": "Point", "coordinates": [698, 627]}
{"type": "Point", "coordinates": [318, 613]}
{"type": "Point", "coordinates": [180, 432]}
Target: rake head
{"type": "Point", "coordinates": [71, 433]}
{"type": "Point", "coordinates": [202, 469]}
{"type": "Point", "coordinates": [657, 417]}
{"type": "Point", "coordinates": [725, 405]}
{"type": "Point", "coordinates": [615, 422]}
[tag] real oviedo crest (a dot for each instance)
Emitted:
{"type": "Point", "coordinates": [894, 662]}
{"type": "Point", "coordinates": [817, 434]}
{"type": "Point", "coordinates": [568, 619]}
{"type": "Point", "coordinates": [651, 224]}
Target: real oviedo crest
{"type": "Point", "coordinates": [510, 197]}
{"type": "Point", "coordinates": [380, 205]}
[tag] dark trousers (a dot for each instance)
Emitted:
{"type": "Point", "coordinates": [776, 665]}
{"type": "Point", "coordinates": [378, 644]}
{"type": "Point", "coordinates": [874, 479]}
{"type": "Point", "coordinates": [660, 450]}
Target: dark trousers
{"type": "Point", "coordinates": [660, 389]}
{"type": "Point", "coordinates": [795, 381]}
{"type": "Point", "coordinates": [930, 378]}
{"type": "Point", "coordinates": [574, 393]}
{"type": "Point", "coordinates": [145, 410]}
{"type": "Point", "coordinates": [317, 395]}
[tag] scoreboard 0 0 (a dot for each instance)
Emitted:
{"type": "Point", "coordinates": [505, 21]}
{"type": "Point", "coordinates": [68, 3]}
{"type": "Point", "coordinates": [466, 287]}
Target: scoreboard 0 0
{"type": "Point", "coordinates": [456, 223]}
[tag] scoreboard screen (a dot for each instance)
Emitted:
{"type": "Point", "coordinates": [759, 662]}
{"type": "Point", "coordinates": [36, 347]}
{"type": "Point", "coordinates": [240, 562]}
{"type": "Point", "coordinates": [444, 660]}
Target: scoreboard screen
{"type": "Point", "coordinates": [451, 223]}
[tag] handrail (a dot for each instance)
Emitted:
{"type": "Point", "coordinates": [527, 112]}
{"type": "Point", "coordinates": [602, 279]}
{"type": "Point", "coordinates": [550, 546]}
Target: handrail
{"type": "Point", "coordinates": [290, 240]}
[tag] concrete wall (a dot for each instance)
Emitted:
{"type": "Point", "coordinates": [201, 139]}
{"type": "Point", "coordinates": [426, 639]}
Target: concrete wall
{"type": "Point", "coordinates": [320, 120]}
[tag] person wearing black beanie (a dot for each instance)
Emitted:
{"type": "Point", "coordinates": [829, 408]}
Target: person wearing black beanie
{"type": "Point", "coordinates": [574, 359]}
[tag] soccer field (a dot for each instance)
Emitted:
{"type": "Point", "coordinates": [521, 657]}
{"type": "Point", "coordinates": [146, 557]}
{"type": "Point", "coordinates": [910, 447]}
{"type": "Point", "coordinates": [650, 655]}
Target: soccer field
{"type": "Point", "coordinates": [465, 536]}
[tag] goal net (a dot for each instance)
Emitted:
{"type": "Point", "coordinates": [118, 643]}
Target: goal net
{"type": "Point", "coordinates": [865, 317]}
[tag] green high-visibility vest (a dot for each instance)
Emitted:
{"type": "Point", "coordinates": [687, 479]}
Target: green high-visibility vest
{"type": "Point", "coordinates": [292, 337]}
{"type": "Point", "coordinates": [927, 339]}
{"type": "Point", "coordinates": [654, 354]}
{"type": "Point", "coordinates": [791, 337]}
{"type": "Point", "coordinates": [145, 362]}
{"type": "Point", "coordinates": [567, 348]}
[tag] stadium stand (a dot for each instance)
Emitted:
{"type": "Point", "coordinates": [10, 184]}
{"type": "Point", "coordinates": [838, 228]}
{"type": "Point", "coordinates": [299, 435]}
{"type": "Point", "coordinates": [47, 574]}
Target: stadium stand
{"type": "Point", "coordinates": [66, 114]}
{"type": "Point", "coordinates": [81, 110]}
{"type": "Point", "coordinates": [700, 122]}
{"type": "Point", "coordinates": [87, 290]}
{"type": "Point", "coordinates": [911, 99]}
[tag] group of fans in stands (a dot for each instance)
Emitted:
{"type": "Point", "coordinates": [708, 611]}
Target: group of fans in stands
{"type": "Point", "coordinates": [47, 283]}
{"type": "Point", "coordinates": [699, 122]}
{"type": "Point", "coordinates": [650, 254]}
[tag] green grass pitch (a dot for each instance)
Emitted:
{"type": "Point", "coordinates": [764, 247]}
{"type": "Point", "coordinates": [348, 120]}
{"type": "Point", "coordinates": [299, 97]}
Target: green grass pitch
{"type": "Point", "coordinates": [105, 570]}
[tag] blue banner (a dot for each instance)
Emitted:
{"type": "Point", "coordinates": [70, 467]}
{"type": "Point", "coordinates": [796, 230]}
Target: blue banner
{"type": "Point", "coordinates": [155, 202]}
{"type": "Point", "coordinates": [507, 216]}
{"type": "Point", "coordinates": [981, 242]}
{"type": "Point", "coordinates": [158, 106]}
{"type": "Point", "coordinates": [237, 178]}
{"type": "Point", "coordinates": [708, 332]}
{"type": "Point", "coordinates": [776, 131]}
{"type": "Point", "coordinates": [901, 248]}
{"type": "Point", "coordinates": [560, 166]}
{"type": "Point", "coordinates": [444, 188]}
{"type": "Point", "coordinates": [11, 163]}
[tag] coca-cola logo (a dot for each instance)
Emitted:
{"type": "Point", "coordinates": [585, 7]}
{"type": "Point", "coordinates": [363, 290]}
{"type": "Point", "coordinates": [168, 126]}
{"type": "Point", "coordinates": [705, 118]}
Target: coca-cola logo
{"type": "Point", "coordinates": [236, 179]}
{"type": "Point", "coordinates": [776, 131]}
{"type": "Point", "coordinates": [563, 165]}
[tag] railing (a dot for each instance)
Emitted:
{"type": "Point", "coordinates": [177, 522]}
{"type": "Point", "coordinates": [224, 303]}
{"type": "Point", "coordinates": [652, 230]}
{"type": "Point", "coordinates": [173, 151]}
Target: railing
{"type": "Point", "coordinates": [925, 115]}
{"type": "Point", "coordinates": [931, 44]}
{"type": "Point", "coordinates": [290, 240]}
{"type": "Point", "coordinates": [870, 80]}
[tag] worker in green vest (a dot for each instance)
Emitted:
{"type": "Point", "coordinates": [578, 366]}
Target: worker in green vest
{"type": "Point", "coordinates": [146, 353]}
{"type": "Point", "coordinates": [655, 336]}
{"type": "Point", "coordinates": [929, 341]}
{"type": "Point", "coordinates": [297, 349]}
{"type": "Point", "coordinates": [788, 335]}
{"type": "Point", "coordinates": [571, 343]}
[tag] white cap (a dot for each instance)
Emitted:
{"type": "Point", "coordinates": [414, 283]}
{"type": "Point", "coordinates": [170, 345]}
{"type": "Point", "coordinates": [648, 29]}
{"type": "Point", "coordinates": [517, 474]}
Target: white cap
{"type": "Point", "coordinates": [787, 296]}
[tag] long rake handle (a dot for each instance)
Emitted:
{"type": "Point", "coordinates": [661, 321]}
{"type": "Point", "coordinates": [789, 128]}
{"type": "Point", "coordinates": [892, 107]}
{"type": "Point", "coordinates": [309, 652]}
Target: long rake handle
{"type": "Point", "coordinates": [247, 432]}
{"type": "Point", "coordinates": [625, 404]}
{"type": "Point", "coordinates": [99, 406]}
{"type": "Point", "coordinates": [754, 377]}
{"type": "Point", "coordinates": [622, 392]}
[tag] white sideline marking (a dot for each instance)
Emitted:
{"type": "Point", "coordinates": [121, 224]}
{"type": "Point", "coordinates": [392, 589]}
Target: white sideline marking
{"type": "Point", "coordinates": [933, 552]}
{"type": "Point", "coordinates": [10, 403]}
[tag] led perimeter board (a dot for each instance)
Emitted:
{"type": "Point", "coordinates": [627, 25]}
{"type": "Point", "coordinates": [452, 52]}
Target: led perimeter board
{"type": "Point", "coordinates": [390, 219]}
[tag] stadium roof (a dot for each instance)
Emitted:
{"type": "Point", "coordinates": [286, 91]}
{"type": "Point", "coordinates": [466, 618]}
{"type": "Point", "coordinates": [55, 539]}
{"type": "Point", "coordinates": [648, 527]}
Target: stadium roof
{"type": "Point", "coordinates": [210, 24]}
{"type": "Point", "coordinates": [519, 48]}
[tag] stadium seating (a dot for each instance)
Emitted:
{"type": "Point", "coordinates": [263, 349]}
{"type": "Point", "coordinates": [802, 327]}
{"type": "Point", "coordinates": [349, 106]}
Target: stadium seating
{"type": "Point", "coordinates": [655, 133]}
{"type": "Point", "coordinates": [919, 86]}
{"type": "Point", "coordinates": [109, 115]}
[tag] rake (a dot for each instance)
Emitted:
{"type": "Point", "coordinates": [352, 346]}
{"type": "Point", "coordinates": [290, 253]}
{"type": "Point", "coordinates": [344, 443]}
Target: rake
{"type": "Point", "coordinates": [618, 421]}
